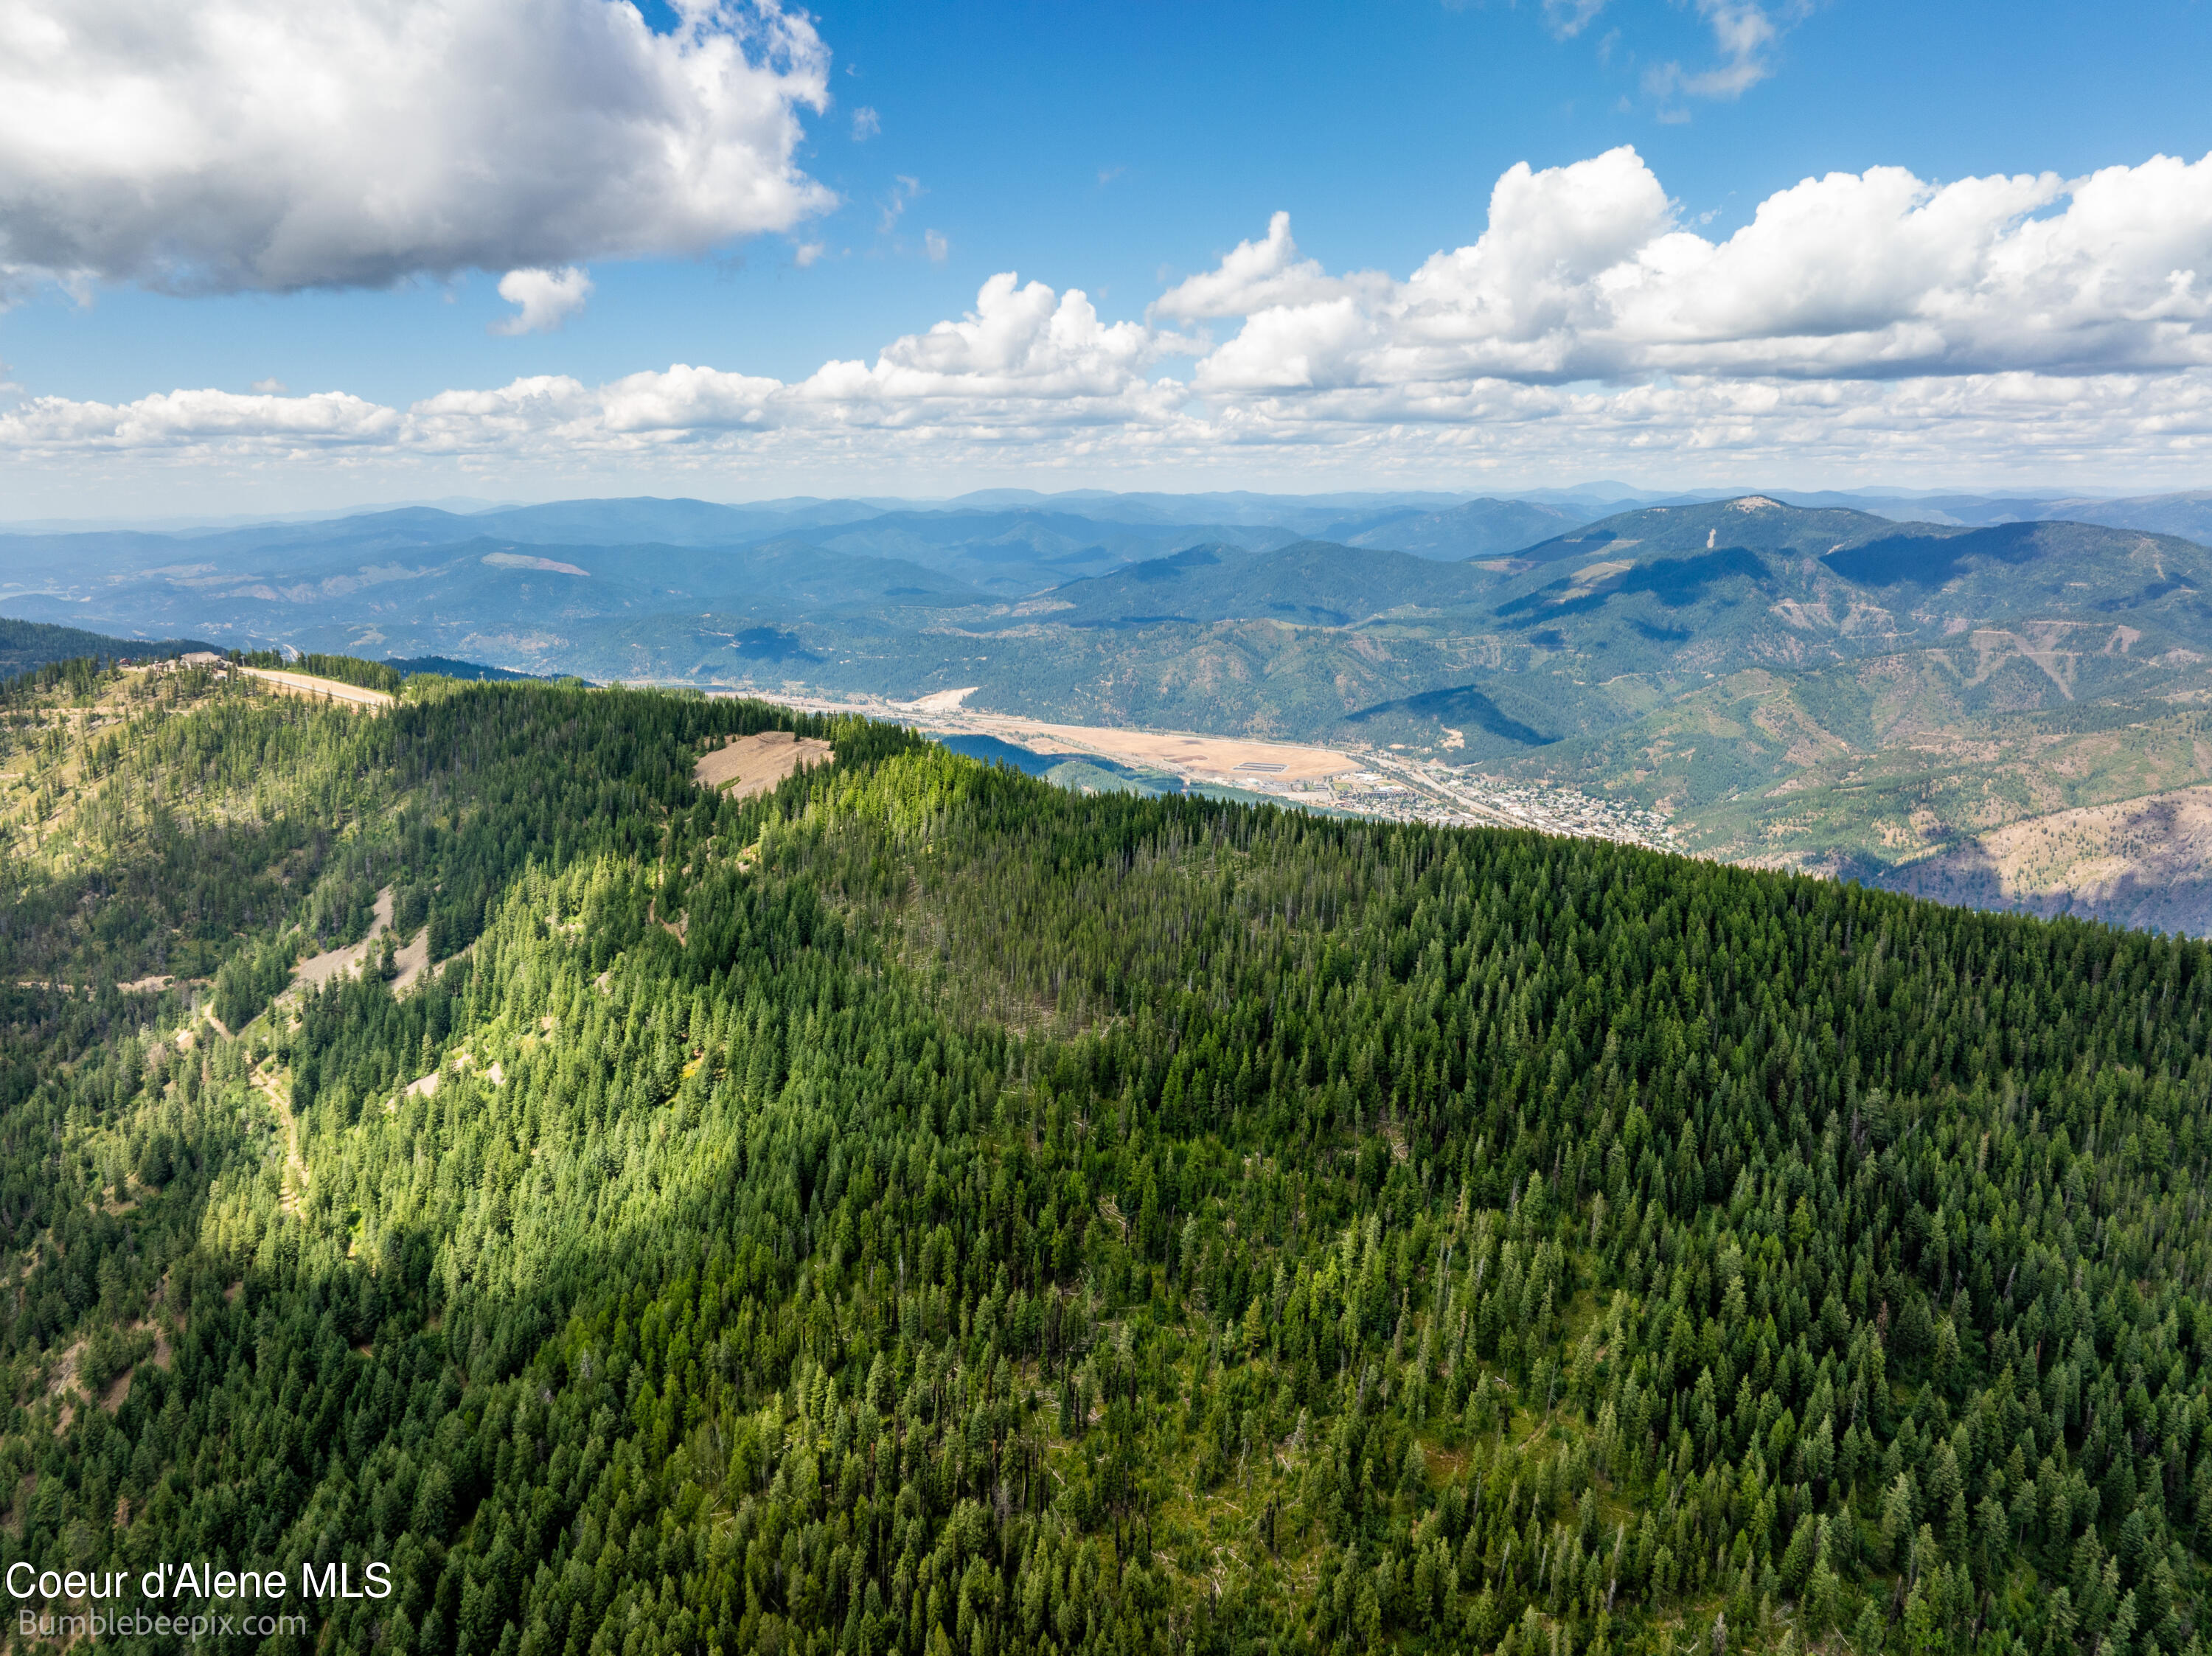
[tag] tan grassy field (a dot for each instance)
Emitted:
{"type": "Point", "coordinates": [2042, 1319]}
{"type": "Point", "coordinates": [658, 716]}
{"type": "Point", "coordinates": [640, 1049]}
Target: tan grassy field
{"type": "Point", "coordinates": [1227, 757]}
{"type": "Point", "coordinates": [754, 764]}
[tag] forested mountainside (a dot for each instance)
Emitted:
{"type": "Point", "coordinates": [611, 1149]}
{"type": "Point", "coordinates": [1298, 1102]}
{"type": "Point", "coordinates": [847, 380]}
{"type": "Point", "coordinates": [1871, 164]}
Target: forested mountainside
{"type": "Point", "coordinates": [26, 646]}
{"type": "Point", "coordinates": [923, 1210]}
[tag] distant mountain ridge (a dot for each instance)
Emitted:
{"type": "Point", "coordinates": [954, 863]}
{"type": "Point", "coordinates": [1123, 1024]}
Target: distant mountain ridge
{"type": "Point", "coordinates": [1860, 682]}
{"type": "Point", "coordinates": [1312, 583]}
{"type": "Point", "coordinates": [1475, 529]}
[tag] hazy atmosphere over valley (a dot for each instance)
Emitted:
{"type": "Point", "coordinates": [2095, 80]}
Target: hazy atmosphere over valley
{"type": "Point", "coordinates": [1228, 831]}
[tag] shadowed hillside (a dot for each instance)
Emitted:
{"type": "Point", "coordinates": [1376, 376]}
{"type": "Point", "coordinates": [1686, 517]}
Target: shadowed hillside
{"type": "Point", "coordinates": [923, 1206]}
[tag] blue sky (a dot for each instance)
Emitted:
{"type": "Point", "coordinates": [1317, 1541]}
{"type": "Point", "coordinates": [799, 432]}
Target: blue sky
{"type": "Point", "coordinates": [1116, 150]}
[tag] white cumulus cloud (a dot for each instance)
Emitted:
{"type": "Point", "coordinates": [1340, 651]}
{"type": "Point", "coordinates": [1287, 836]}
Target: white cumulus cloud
{"type": "Point", "coordinates": [1022, 344]}
{"type": "Point", "coordinates": [266, 144]}
{"type": "Point", "coordinates": [1585, 272]}
{"type": "Point", "coordinates": [1873, 324]}
{"type": "Point", "coordinates": [546, 298]}
{"type": "Point", "coordinates": [1025, 357]}
{"type": "Point", "coordinates": [263, 423]}
{"type": "Point", "coordinates": [1256, 275]}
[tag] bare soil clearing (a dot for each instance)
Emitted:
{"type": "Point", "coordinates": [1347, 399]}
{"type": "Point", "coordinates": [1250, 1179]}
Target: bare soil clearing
{"type": "Point", "coordinates": [754, 764]}
{"type": "Point", "coordinates": [328, 688]}
{"type": "Point", "coordinates": [412, 960]}
{"type": "Point", "coordinates": [319, 969]}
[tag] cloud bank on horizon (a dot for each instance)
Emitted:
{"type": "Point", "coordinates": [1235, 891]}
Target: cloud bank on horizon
{"type": "Point", "coordinates": [1854, 314]}
{"type": "Point", "coordinates": [1860, 318]}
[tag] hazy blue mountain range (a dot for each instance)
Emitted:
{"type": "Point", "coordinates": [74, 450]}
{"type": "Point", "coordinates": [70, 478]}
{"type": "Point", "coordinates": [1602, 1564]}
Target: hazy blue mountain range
{"type": "Point", "coordinates": [1314, 583]}
{"type": "Point", "coordinates": [279, 580]}
{"type": "Point", "coordinates": [1864, 682]}
{"type": "Point", "coordinates": [2188, 513]}
{"type": "Point", "coordinates": [1475, 529]}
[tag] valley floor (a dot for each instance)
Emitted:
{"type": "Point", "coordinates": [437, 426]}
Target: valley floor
{"type": "Point", "coordinates": [1377, 782]}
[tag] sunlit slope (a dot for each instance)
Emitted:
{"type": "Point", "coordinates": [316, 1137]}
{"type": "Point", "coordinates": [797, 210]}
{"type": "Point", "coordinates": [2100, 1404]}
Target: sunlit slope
{"type": "Point", "coordinates": [928, 1207]}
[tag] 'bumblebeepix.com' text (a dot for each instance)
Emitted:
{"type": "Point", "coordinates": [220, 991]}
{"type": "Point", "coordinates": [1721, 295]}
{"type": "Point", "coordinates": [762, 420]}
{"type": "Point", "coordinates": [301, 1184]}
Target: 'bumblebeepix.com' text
{"type": "Point", "coordinates": [191, 1601]}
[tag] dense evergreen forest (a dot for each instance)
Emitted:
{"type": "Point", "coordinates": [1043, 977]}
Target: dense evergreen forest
{"type": "Point", "coordinates": [923, 1212]}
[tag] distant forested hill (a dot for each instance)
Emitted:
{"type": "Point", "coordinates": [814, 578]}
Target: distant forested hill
{"type": "Point", "coordinates": [450, 668]}
{"type": "Point", "coordinates": [922, 1210]}
{"type": "Point", "coordinates": [24, 645]}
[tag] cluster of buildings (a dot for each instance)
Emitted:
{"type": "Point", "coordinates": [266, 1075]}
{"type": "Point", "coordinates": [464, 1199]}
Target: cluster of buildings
{"type": "Point", "coordinates": [1397, 789]}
